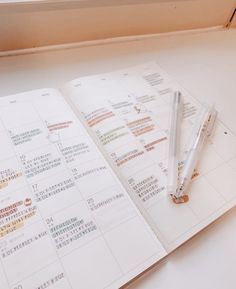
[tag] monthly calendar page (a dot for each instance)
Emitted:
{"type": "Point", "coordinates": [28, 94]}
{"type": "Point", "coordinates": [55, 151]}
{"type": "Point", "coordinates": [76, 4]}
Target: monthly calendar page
{"type": "Point", "coordinates": [129, 113]}
{"type": "Point", "coordinates": [66, 222]}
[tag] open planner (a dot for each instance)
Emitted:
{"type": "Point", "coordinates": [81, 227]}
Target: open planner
{"type": "Point", "coordinates": [83, 201]}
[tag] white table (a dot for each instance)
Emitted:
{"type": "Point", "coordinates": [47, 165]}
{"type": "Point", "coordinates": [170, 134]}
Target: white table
{"type": "Point", "coordinates": [205, 64]}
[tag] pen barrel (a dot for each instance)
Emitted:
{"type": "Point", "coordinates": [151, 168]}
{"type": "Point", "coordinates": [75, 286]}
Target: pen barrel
{"type": "Point", "coordinates": [176, 116]}
{"type": "Point", "coordinates": [172, 180]}
{"type": "Point", "coordinates": [189, 166]}
{"type": "Point", "coordinates": [200, 135]}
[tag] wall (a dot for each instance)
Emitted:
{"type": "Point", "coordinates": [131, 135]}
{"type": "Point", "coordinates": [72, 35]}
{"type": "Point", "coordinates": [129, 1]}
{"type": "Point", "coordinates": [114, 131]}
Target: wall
{"type": "Point", "coordinates": [26, 26]}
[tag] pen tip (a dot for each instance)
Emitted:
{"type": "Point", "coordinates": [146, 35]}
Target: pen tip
{"type": "Point", "coordinates": [180, 200]}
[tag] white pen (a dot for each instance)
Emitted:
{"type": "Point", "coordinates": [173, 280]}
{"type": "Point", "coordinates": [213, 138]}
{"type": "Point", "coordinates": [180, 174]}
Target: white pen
{"type": "Point", "coordinates": [202, 132]}
{"type": "Point", "coordinates": [174, 137]}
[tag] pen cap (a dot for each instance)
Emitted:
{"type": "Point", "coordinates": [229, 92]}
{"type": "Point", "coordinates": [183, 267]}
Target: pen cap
{"type": "Point", "coordinates": [211, 122]}
{"type": "Point", "coordinates": [175, 122]}
{"type": "Point", "coordinates": [203, 125]}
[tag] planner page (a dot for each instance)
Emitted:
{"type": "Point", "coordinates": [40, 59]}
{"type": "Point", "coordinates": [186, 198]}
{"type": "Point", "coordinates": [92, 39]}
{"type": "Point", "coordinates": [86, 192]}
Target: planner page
{"type": "Point", "coordinates": [66, 222]}
{"type": "Point", "coordinates": [129, 112]}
